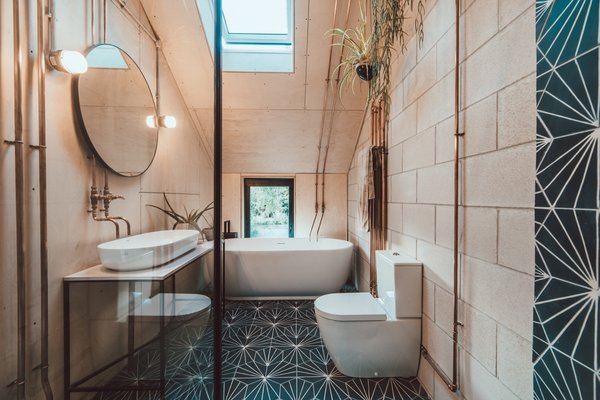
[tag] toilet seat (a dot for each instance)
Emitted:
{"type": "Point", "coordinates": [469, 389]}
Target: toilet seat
{"type": "Point", "coordinates": [350, 307]}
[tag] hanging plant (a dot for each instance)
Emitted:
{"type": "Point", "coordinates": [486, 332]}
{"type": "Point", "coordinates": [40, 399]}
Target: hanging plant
{"type": "Point", "coordinates": [390, 19]}
{"type": "Point", "coordinates": [357, 44]}
{"type": "Point", "coordinates": [369, 54]}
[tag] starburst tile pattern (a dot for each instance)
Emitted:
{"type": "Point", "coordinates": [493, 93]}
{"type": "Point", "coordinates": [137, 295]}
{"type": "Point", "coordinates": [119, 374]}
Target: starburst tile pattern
{"type": "Point", "coordinates": [272, 350]}
{"type": "Point", "coordinates": [277, 353]}
{"type": "Point", "coordinates": [566, 315]}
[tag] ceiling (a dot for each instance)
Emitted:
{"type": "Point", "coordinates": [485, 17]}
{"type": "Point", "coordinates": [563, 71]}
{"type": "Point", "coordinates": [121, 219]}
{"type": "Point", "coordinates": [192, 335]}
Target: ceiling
{"type": "Point", "coordinates": [272, 122]}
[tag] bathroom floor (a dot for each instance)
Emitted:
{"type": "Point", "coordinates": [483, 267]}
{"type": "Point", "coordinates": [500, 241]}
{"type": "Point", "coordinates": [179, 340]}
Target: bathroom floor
{"type": "Point", "coordinates": [271, 350]}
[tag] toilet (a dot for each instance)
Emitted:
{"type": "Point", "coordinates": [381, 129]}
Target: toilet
{"type": "Point", "coordinates": [371, 337]}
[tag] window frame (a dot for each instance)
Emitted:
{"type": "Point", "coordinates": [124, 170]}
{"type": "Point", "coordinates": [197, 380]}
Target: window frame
{"type": "Point", "coordinates": [281, 182]}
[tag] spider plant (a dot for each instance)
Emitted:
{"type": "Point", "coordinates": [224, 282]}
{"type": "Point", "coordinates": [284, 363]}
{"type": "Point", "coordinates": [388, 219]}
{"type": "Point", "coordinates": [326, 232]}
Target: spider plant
{"type": "Point", "coordinates": [376, 45]}
{"type": "Point", "coordinates": [190, 217]}
{"type": "Point", "coordinates": [390, 19]}
{"type": "Point", "coordinates": [358, 47]}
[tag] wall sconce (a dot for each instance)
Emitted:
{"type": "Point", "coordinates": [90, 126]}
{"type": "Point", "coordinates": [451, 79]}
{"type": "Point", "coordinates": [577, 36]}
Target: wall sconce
{"type": "Point", "coordinates": [163, 121]}
{"type": "Point", "coordinates": [69, 61]}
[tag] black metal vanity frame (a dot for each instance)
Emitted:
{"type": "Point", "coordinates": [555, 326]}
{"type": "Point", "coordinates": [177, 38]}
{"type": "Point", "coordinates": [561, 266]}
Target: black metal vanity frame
{"type": "Point", "coordinates": [163, 274]}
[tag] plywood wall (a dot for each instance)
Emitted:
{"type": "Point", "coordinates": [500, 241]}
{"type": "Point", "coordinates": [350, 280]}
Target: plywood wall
{"type": "Point", "coordinates": [334, 221]}
{"type": "Point", "coordinates": [181, 168]}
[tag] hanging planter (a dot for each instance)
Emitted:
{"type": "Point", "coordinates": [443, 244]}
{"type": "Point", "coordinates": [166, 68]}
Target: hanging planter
{"type": "Point", "coordinates": [357, 47]}
{"type": "Point", "coordinates": [365, 71]}
{"type": "Point", "coordinates": [368, 48]}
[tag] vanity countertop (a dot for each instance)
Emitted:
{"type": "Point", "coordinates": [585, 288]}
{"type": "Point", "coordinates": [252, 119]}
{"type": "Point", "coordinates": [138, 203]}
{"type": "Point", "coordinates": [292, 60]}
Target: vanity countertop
{"type": "Point", "coordinates": [101, 273]}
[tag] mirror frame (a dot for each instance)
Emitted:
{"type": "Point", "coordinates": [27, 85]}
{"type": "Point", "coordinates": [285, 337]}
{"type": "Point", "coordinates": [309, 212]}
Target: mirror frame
{"type": "Point", "coordinates": [81, 121]}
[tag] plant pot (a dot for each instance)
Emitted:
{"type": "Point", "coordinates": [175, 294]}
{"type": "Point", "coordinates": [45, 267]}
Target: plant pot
{"type": "Point", "coordinates": [187, 226]}
{"type": "Point", "coordinates": [209, 233]}
{"type": "Point", "coordinates": [365, 71]}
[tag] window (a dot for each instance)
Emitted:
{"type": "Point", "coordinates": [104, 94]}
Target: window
{"type": "Point", "coordinates": [257, 22]}
{"type": "Point", "coordinates": [268, 207]}
{"type": "Point", "coordinates": [258, 35]}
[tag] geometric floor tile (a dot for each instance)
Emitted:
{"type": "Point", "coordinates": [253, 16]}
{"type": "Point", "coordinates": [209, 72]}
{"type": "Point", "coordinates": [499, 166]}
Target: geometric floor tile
{"type": "Point", "coordinates": [271, 350]}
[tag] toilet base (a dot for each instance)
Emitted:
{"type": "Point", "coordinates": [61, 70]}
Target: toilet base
{"type": "Point", "coordinates": [370, 349]}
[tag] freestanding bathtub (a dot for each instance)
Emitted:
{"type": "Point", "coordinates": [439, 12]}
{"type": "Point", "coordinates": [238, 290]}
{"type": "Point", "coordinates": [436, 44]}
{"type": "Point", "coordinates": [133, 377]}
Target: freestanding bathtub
{"type": "Point", "coordinates": [261, 268]}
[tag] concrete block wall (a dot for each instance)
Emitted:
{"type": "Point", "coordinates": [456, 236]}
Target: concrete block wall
{"type": "Point", "coordinates": [497, 168]}
{"type": "Point", "coordinates": [181, 168]}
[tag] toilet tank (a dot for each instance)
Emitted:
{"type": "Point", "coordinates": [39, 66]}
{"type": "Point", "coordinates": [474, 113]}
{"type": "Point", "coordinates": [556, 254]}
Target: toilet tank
{"type": "Point", "coordinates": [399, 284]}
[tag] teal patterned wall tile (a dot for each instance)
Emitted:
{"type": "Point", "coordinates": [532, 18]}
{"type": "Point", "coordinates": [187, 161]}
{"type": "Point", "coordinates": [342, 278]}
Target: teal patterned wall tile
{"type": "Point", "coordinates": [566, 314]}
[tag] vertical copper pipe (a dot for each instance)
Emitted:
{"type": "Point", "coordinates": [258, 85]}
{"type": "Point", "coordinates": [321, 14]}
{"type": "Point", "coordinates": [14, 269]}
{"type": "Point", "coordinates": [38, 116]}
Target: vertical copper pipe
{"type": "Point", "coordinates": [452, 383]}
{"type": "Point", "coordinates": [372, 205]}
{"type": "Point", "coordinates": [157, 91]}
{"type": "Point", "coordinates": [51, 7]}
{"type": "Point", "coordinates": [325, 102]}
{"type": "Point", "coordinates": [41, 60]}
{"type": "Point", "coordinates": [20, 204]}
{"type": "Point", "coordinates": [105, 18]}
{"type": "Point", "coordinates": [457, 135]}
{"type": "Point", "coordinates": [330, 130]}
{"type": "Point", "coordinates": [384, 198]}
{"type": "Point", "coordinates": [93, 2]}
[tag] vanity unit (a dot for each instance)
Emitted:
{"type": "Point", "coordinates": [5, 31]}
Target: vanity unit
{"type": "Point", "coordinates": [158, 310]}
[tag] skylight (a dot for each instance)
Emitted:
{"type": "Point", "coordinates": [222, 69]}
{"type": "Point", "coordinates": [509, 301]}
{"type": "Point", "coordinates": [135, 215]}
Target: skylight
{"type": "Point", "coordinates": [258, 35]}
{"type": "Point", "coordinates": [267, 18]}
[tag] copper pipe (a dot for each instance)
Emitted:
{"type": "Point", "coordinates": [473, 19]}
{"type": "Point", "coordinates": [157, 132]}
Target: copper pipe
{"type": "Point", "coordinates": [50, 15]}
{"type": "Point", "coordinates": [43, 191]}
{"type": "Point", "coordinates": [106, 197]}
{"type": "Point", "coordinates": [325, 102]}
{"type": "Point", "coordinates": [124, 220]}
{"type": "Point", "coordinates": [150, 32]}
{"type": "Point", "coordinates": [104, 219]}
{"type": "Point", "coordinates": [452, 383]}
{"type": "Point", "coordinates": [157, 90]}
{"type": "Point", "coordinates": [93, 2]}
{"type": "Point", "coordinates": [105, 19]}
{"type": "Point", "coordinates": [358, 135]}
{"type": "Point", "coordinates": [19, 204]}
{"type": "Point", "coordinates": [384, 198]}
{"type": "Point", "coordinates": [330, 133]}
{"type": "Point", "coordinates": [457, 134]}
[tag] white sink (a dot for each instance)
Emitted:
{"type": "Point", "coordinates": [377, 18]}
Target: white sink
{"type": "Point", "coordinates": [146, 250]}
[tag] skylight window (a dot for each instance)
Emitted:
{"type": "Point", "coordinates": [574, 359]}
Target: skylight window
{"type": "Point", "coordinates": [258, 35]}
{"type": "Point", "coordinates": [257, 21]}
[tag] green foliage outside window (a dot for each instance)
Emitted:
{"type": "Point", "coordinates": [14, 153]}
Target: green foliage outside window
{"type": "Point", "coordinates": [269, 210]}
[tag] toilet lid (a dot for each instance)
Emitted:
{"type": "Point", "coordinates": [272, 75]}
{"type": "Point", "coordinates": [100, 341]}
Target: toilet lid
{"type": "Point", "coordinates": [350, 307]}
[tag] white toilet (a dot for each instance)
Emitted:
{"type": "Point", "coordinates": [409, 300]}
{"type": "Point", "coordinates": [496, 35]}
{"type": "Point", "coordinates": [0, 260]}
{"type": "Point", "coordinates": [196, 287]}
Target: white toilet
{"type": "Point", "coordinates": [368, 337]}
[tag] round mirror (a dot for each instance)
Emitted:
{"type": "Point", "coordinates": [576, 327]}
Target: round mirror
{"type": "Point", "coordinates": [113, 103]}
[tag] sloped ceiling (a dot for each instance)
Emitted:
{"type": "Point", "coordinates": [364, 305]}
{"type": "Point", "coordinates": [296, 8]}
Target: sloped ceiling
{"type": "Point", "coordinates": [272, 122]}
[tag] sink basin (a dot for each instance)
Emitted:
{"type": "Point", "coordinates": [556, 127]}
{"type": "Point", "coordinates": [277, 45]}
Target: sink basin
{"type": "Point", "coordinates": [146, 250]}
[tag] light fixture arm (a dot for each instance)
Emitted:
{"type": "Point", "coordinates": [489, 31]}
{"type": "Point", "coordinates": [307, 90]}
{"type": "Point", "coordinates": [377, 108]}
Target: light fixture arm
{"type": "Point", "coordinates": [68, 61]}
{"type": "Point", "coordinates": [51, 27]}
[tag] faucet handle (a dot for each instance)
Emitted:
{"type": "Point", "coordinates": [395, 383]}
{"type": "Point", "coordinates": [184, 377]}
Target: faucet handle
{"type": "Point", "coordinates": [108, 196]}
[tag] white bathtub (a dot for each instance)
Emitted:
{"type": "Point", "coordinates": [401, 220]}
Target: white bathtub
{"type": "Point", "coordinates": [260, 268]}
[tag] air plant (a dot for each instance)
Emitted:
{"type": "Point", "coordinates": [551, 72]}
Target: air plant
{"type": "Point", "coordinates": [190, 217]}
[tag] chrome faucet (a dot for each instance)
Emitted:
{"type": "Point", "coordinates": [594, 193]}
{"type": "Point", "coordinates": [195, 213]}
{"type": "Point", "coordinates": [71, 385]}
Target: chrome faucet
{"type": "Point", "coordinates": [105, 197]}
